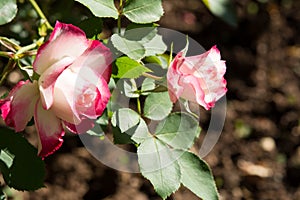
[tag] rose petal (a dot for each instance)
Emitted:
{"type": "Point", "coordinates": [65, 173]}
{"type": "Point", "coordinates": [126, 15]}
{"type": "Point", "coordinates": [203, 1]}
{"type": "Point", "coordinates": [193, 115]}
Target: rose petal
{"type": "Point", "coordinates": [49, 128]}
{"type": "Point", "coordinates": [66, 40]}
{"type": "Point", "coordinates": [96, 57]}
{"type": "Point", "coordinates": [208, 58]}
{"type": "Point", "coordinates": [93, 94]}
{"type": "Point", "coordinates": [210, 71]}
{"type": "Point", "coordinates": [64, 97]}
{"type": "Point", "coordinates": [48, 79]}
{"type": "Point", "coordinates": [193, 91]}
{"type": "Point", "coordinates": [198, 78]}
{"type": "Point", "coordinates": [18, 107]}
{"type": "Point", "coordinates": [173, 77]}
{"type": "Point", "coordinates": [86, 95]}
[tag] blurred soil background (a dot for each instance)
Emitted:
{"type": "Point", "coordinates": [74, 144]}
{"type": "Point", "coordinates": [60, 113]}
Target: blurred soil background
{"type": "Point", "coordinates": [258, 154]}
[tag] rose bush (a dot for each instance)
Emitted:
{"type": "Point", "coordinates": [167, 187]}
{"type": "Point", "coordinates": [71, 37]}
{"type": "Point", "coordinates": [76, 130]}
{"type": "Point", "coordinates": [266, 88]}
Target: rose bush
{"type": "Point", "coordinates": [72, 89]}
{"type": "Point", "coordinates": [199, 78]}
{"type": "Point", "coordinates": [66, 87]}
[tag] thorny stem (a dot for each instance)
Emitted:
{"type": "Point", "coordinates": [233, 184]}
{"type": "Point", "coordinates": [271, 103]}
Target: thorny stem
{"type": "Point", "coordinates": [40, 13]}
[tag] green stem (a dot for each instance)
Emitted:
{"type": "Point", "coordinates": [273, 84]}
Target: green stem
{"type": "Point", "coordinates": [9, 44]}
{"type": "Point", "coordinates": [25, 51]}
{"type": "Point", "coordinates": [119, 17]}
{"type": "Point", "coordinates": [8, 68]}
{"type": "Point", "coordinates": [6, 54]}
{"type": "Point", "coordinates": [119, 24]}
{"type": "Point", "coordinates": [171, 55]}
{"type": "Point", "coordinates": [40, 13]}
{"type": "Point", "coordinates": [139, 109]}
{"type": "Point", "coordinates": [26, 48]}
{"type": "Point", "coordinates": [157, 78]}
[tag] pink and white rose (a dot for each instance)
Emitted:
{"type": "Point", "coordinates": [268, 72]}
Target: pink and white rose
{"type": "Point", "coordinates": [199, 78]}
{"type": "Point", "coordinates": [72, 89]}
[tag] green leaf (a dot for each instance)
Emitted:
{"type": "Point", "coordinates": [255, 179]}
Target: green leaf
{"type": "Point", "coordinates": [140, 132]}
{"type": "Point", "coordinates": [96, 131]}
{"type": "Point", "coordinates": [157, 165]}
{"type": "Point", "coordinates": [6, 157]}
{"type": "Point", "coordinates": [147, 85]}
{"type": "Point", "coordinates": [101, 8]}
{"type": "Point", "coordinates": [196, 176]}
{"type": "Point", "coordinates": [128, 88]}
{"type": "Point", "coordinates": [178, 130]}
{"type": "Point", "coordinates": [125, 118]}
{"type": "Point", "coordinates": [121, 138]}
{"type": "Point", "coordinates": [42, 28]}
{"type": "Point", "coordinates": [91, 26]}
{"type": "Point", "coordinates": [128, 68]}
{"type": "Point", "coordinates": [224, 9]}
{"type": "Point", "coordinates": [27, 171]}
{"type": "Point", "coordinates": [155, 46]}
{"type": "Point", "coordinates": [132, 49]}
{"type": "Point", "coordinates": [161, 60]}
{"type": "Point", "coordinates": [141, 34]}
{"type": "Point", "coordinates": [157, 106]}
{"type": "Point", "coordinates": [135, 26]}
{"type": "Point", "coordinates": [8, 11]}
{"type": "Point", "coordinates": [142, 11]}
{"type": "Point", "coordinates": [139, 43]}
{"type": "Point", "coordinates": [128, 127]}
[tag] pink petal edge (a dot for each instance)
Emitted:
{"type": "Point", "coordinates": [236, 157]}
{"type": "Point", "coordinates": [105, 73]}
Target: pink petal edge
{"type": "Point", "coordinates": [18, 107]}
{"type": "Point", "coordinates": [49, 129]}
{"type": "Point", "coordinates": [66, 40]}
{"type": "Point", "coordinates": [48, 79]}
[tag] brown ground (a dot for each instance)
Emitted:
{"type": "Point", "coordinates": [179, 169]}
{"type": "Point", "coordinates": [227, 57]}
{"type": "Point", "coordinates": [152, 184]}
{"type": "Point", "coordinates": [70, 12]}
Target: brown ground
{"type": "Point", "coordinates": [258, 154]}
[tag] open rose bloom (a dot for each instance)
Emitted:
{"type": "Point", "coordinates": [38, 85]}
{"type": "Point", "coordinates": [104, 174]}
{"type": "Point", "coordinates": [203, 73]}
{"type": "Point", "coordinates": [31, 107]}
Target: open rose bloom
{"type": "Point", "coordinates": [72, 89]}
{"type": "Point", "coordinates": [199, 78]}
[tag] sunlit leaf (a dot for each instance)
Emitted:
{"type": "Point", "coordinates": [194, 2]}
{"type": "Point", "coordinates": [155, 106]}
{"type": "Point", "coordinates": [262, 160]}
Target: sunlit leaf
{"type": "Point", "coordinates": [143, 11]}
{"type": "Point", "coordinates": [147, 85]}
{"type": "Point", "coordinates": [128, 68]}
{"type": "Point", "coordinates": [6, 157]}
{"type": "Point", "coordinates": [158, 165]}
{"type": "Point", "coordinates": [101, 8]}
{"type": "Point", "coordinates": [161, 60]}
{"type": "Point", "coordinates": [157, 106]}
{"type": "Point", "coordinates": [140, 132]}
{"type": "Point", "coordinates": [8, 11]}
{"type": "Point", "coordinates": [125, 118]}
{"type": "Point", "coordinates": [196, 176]}
{"type": "Point", "coordinates": [139, 43]}
{"type": "Point", "coordinates": [132, 49]}
{"type": "Point", "coordinates": [128, 88]}
{"type": "Point", "coordinates": [178, 130]}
